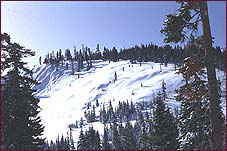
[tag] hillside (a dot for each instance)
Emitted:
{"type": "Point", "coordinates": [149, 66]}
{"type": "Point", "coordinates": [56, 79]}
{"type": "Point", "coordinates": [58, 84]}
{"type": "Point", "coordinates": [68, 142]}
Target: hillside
{"type": "Point", "coordinates": [64, 96]}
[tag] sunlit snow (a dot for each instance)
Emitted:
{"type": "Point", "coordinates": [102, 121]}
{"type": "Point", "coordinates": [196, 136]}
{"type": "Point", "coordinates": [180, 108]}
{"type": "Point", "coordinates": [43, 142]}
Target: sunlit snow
{"type": "Point", "coordinates": [63, 96]}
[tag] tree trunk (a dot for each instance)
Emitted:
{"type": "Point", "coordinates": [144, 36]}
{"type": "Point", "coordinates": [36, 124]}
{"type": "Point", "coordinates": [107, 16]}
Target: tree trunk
{"type": "Point", "coordinates": [216, 116]}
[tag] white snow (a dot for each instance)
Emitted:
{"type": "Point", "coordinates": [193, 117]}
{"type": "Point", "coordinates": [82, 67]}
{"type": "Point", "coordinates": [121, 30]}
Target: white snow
{"type": "Point", "coordinates": [63, 96]}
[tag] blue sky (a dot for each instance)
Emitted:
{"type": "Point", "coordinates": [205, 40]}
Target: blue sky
{"type": "Point", "coordinates": [47, 26]}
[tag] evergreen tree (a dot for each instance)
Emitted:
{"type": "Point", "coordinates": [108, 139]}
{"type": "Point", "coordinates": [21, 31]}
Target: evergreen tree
{"type": "Point", "coordinates": [89, 140]}
{"type": "Point", "coordinates": [116, 140]}
{"type": "Point", "coordinates": [62, 143]}
{"type": "Point", "coordinates": [61, 58]}
{"type": "Point", "coordinates": [165, 132]}
{"type": "Point", "coordinates": [137, 132]}
{"type": "Point", "coordinates": [67, 66]}
{"type": "Point", "coordinates": [97, 103]}
{"type": "Point", "coordinates": [81, 122]}
{"type": "Point", "coordinates": [127, 137]}
{"type": "Point", "coordinates": [189, 16]}
{"type": "Point", "coordinates": [164, 95]}
{"type": "Point", "coordinates": [40, 62]}
{"type": "Point", "coordinates": [68, 55]}
{"type": "Point", "coordinates": [194, 120]}
{"type": "Point", "coordinates": [105, 143]}
{"type": "Point", "coordinates": [145, 140]}
{"type": "Point", "coordinates": [72, 65]}
{"type": "Point", "coordinates": [90, 58]}
{"type": "Point", "coordinates": [82, 142]}
{"type": "Point", "coordinates": [98, 54]}
{"type": "Point", "coordinates": [51, 145]}
{"type": "Point", "coordinates": [80, 61]}
{"type": "Point", "coordinates": [70, 137]}
{"type": "Point", "coordinates": [75, 54]}
{"type": "Point", "coordinates": [58, 144]}
{"type": "Point", "coordinates": [160, 67]}
{"type": "Point", "coordinates": [115, 54]}
{"type": "Point", "coordinates": [110, 113]}
{"type": "Point", "coordinates": [93, 115]}
{"type": "Point", "coordinates": [194, 125]}
{"type": "Point", "coordinates": [97, 144]}
{"type": "Point", "coordinates": [22, 128]}
{"type": "Point", "coordinates": [115, 76]}
{"type": "Point", "coordinates": [103, 115]}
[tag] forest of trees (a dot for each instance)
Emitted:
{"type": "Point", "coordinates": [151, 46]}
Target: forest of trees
{"type": "Point", "coordinates": [146, 125]}
{"type": "Point", "coordinates": [200, 121]}
{"type": "Point", "coordinates": [148, 117]}
{"type": "Point", "coordinates": [137, 54]}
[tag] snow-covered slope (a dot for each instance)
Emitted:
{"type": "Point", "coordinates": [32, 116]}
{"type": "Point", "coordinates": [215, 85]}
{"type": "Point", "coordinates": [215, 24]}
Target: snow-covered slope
{"type": "Point", "coordinates": [63, 96]}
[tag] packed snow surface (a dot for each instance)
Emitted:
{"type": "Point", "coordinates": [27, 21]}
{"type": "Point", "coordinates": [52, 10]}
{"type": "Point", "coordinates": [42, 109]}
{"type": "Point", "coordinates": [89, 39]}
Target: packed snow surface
{"type": "Point", "coordinates": [63, 96]}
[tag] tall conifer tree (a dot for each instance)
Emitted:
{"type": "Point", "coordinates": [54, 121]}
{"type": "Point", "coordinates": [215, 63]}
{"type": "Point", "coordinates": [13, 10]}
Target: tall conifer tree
{"type": "Point", "coordinates": [22, 128]}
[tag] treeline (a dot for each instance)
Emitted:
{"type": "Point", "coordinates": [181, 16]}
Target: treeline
{"type": "Point", "coordinates": [145, 133]}
{"type": "Point", "coordinates": [123, 112]}
{"type": "Point", "coordinates": [167, 54]}
{"type": "Point", "coordinates": [143, 53]}
{"type": "Point", "coordinates": [60, 144]}
{"type": "Point", "coordinates": [150, 125]}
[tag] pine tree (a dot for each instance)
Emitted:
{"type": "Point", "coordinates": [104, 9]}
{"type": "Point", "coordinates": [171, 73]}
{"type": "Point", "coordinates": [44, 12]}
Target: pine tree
{"type": "Point", "coordinates": [127, 137]}
{"type": "Point", "coordinates": [137, 131]}
{"type": "Point", "coordinates": [90, 58]}
{"type": "Point", "coordinates": [72, 65]}
{"type": "Point", "coordinates": [165, 132]}
{"type": "Point", "coordinates": [164, 95]}
{"type": "Point", "coordinates": [81, 122]}
{"type": "Point", "coordinates": [93, 115]}
{"type": "Point", "coordinates": [80, 61]}
{"type": "Point", "coordinates": [40, 60]}
{"type": "Point", "coordinates": [189, 15]}
{"type": "Point", "coordinates": [103, 115]}
{"type": "Point", "coordinates": [194, 120]}
{"type": "Point", "coordinates": [115, 54]}
{"type": "Point", "coordinates": [67, 144]}
{"type": "Point", "coordinates": [116, 140]}
{"type": "Point", "coordinates": [70, 137]}
{"type": "Point", "coordinates": [89, 140]}
{"type": "Point", "coordinates": [115, 76]}
{"type": "Point", "coordinates": [82, 142]}
{"type": "Point", "coordinates": [145, 140]}
{"type": "Point", "coordinates": [110, 113]}
{"type": "Point", "coordinates": [97, 144]}
{"type": "Point", "coordinates": [105, 143]}
{"type": "Point", "coordinates": [68, 55]}
{"type": "Point", "coordinates": [22, 128]}
{"type": "Point", "coordinates": [62, 143]}
{"type": "Point", "coordinates": [97, 103]}
{"type": "Point", "coordinates": [194, 125]}
{"type": "Point", "coordinates": [61, 57]}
